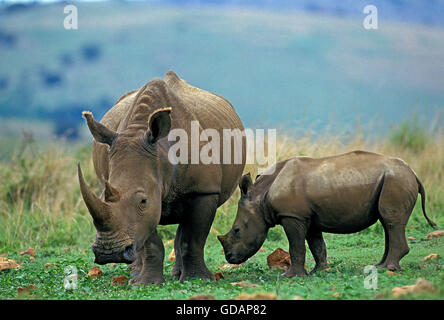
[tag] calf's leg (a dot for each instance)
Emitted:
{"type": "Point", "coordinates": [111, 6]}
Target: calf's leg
{"type": "Point", "coordinates": [396, 202]}
{"type": "Point", "coordinates": [382, 263]}
{"type": "Point", "coordinates": [318, 249]}
{"type": "Point", "coordinates": [296, 232]}
{"type": "Point", "coordinates": [397, 247]}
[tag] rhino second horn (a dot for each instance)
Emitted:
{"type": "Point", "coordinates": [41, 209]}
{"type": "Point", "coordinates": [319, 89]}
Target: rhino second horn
{"type": "Point", "coordinates": [97, 208]}
{"type": "Point", "coordinates": [111, 194]}
{"type": "Point", "coordinates": [100, 132]}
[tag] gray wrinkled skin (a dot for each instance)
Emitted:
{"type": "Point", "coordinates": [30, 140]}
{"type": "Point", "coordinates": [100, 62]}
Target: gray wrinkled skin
{"type": "Point", "coordinates": [143, 189]}
{"type": "Point", "coordinates": [340, 194]}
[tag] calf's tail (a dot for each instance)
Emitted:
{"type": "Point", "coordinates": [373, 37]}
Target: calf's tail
{"type": "Point", "coordinates": [421, 191]}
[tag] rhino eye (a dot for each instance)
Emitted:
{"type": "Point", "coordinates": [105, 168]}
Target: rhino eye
{"type": "Point", "coordinates": [236, 230]}
{"type": "Point", "coordinates": [142, 206]}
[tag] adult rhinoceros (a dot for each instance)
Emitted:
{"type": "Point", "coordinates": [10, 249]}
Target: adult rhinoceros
{"type": "Point", "coordinates": [143, 188]}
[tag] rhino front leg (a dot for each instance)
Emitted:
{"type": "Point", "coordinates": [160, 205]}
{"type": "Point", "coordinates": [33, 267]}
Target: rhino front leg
{"type": "Point", "coordinates": [152, 256]}
{"type": "Point", "coordinates": [195, 229]}
{"type": "Point", "coordinates": [136, 266]}
{"type": "Point", "coordinates": [296, 232]}
{"type": "Point", "coordinates": [177, 268]}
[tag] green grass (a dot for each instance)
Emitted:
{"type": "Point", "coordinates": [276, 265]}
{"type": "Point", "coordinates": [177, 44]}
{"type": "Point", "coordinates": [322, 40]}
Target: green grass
{"type": "Point", "coordinates": [41, 207]}
{"type": "Point", "coordinates": [347, 257]}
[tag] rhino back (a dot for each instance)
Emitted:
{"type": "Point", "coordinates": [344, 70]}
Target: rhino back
{"type": "Point", "coordinates": [213, 112]}
{"type": "Point", "coordinates": [340, 193]}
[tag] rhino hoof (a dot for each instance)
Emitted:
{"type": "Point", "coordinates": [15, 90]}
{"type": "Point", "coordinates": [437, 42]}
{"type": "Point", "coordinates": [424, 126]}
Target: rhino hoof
{"type": "Point", "coordinates": [290, 273]}
{"type": "Point", "coordinates": [139, 280]}
{"type": "Point", "coordinates": [202, 275]}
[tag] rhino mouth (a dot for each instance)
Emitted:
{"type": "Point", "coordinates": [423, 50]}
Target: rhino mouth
{"type": "Point", "coordinates": [126, 255]}
{"type": "Point", "coordinates": [230, 256]}
{"type": "Point", "coordinates": [234, 259]}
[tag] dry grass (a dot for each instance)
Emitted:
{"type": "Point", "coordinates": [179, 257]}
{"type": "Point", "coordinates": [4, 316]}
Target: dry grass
{"type": "Point", "coordinates": [40, 200]}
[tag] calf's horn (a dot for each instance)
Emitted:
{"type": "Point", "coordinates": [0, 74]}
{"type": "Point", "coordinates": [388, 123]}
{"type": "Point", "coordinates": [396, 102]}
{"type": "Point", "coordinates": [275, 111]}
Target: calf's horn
{"type": "Point", "coordinates": [97, 208]}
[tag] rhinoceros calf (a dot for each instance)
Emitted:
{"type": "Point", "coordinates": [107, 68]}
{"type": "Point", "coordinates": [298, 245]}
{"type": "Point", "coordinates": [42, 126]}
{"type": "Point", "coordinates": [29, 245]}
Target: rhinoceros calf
{"type": "Point", "coordinates": [341, 194]}
{"type": "Point", "coordinates": [144, 188]}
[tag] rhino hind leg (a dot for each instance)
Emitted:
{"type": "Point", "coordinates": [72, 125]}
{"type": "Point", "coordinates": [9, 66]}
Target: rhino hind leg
{"type": "Point", "coordinates": [318, 249]}
{"type": "Point", "coordinates": [152, 256]}
{"type": "Point", "coordinates": [195, 230]}
{"type": "Point", "coordinates": [397, 248]}
{"type": "Point", "coordinates": [395, 206]}
{"type": "Point", "coordinates": [382, 263]}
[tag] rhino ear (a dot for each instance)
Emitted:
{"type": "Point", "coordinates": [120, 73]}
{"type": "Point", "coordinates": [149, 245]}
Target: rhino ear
{"type": "Point", "coordinates": [159, 125]}
{"type": "Point", "coordinates": [100, 133]}
{"type": "Point", "coordinates": [245, 183]}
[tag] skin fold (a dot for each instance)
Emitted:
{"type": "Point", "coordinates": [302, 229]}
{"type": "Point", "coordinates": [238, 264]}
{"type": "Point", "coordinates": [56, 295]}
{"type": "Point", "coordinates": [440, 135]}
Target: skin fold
{"type": "Point", "coordinates": [143, 189]}
{"type": "Point", "coordinates": [340, 194]}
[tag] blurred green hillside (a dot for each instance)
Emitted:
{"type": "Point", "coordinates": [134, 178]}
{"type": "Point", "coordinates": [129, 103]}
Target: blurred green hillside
{"type": "Point", "coordinates": [296, 70]}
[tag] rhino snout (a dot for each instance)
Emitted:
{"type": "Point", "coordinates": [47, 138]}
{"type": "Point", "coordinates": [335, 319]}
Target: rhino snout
{"type": "Point", "coordinates": [117, 255]}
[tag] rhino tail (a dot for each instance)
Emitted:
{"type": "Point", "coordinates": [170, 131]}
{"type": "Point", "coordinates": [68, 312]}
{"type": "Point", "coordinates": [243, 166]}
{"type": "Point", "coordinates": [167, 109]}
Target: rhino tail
{"type": "Point", "coordinates": [421, 191]}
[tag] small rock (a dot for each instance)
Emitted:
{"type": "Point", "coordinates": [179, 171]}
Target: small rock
{"type": "Point", "coordinates": [256, 296]}
{"type": "Point", "coordinates": [419, 287]}
{"type": "Point", "coordinates": [391, 273]}
{"type": "Point", "coordinates": [219, 275]}
{"type": "Point", "coordinates": [95, 272]}
{"type": "Point", "coordinates": [119, 280]}
{"type": "Point", "coordinates": [280, 259]}
{"type": "Point", "coordinates": [6, 264]}
{"type": "Point", "coordinates": [25, 291]}
{"type": "Point", "coordinates": [430, 257]}
{"type": "Point", "coordinates": [435, 234]}
{"type": "Point", "coordinates": [29, 251]}
{"type": "Point", "coordinates": [230, 266]}
{"type": "Point", "coordinates": [172, 256]}
{"type": "Point", "coordinates": [244, 284]}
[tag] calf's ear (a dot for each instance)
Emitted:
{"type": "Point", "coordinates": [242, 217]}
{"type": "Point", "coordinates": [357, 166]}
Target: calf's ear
{"type": "Point", "coordinates": [159, 124]}
{"type": "Point", "coordinates": [100, 133]}
{"type": "Point", "coordinates": [245, 183]}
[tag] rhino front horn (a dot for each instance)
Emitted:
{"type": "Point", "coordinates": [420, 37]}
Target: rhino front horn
{"type": "Point", "coordinates": [97, 208]}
